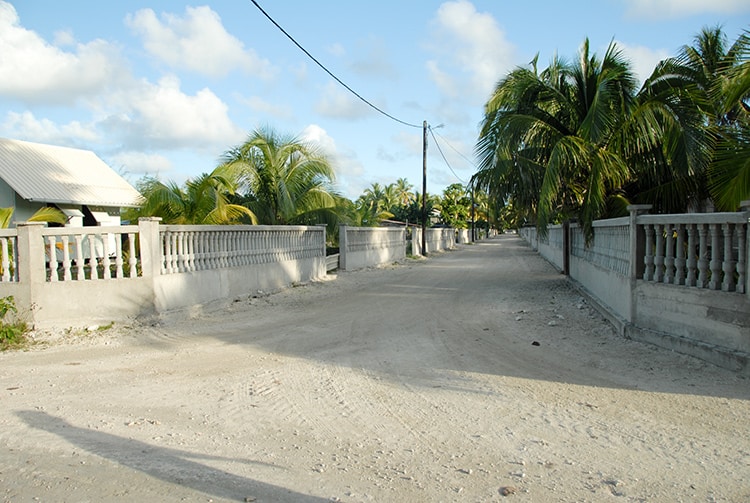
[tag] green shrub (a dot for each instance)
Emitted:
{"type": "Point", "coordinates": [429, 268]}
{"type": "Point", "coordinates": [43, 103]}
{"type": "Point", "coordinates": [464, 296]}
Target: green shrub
{"type": "Point", "coordinates": [12, 332]}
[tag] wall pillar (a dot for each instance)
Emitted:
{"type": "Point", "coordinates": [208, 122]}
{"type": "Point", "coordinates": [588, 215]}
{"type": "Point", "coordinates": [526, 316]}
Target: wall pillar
{"type": "Point", "coordinates": [745, 206]}
{"type": "Point", "coordinates": [151, 252]}
{"type": "Point", "coordinates": [637, 243]}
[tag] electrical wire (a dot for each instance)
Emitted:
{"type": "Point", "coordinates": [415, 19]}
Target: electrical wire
{"type": "Point", "coordinates": [443, 155]}
{"type": "Point", "coordinates": [458, 152]}
{"type": "Point", "coordinates": [329, 72]}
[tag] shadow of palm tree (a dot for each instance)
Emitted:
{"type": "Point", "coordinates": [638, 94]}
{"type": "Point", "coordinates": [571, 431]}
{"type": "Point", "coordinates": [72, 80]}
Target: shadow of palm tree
{"type": "Point", "coordinates": [173, 466]}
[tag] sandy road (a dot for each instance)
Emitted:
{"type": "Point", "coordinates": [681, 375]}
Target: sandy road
{"type": "Point", "coordinates": [474, 375]}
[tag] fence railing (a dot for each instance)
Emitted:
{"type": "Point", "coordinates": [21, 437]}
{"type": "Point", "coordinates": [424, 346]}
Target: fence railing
{"type": "Point", "coordinates": [8, 256]}
{"type": "Point", "coordinates": [696, 250]}
{"type": "Point", "coordinates": [199, 247]}
{"type": "Point", "coordinates": [90, 253]}
{"type": "Point", "coordinates": [679, 281]}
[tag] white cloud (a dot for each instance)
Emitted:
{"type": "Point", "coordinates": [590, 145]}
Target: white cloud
{"type": "Point", "coordinates": [38, 72]}
{"type": "Point", "coordinates": [346, 164]}
{"type": "Point", "coordinates": [140, 163]}
{"type": "Point", "coordinates": [197, 42]}
{"type": "Point", "coordinates": [161, 115]}
{"type": "Point", "coordinates": [259, 105]}
{"type": "Point", "coordinates": [644, 59]}
{"type": "Point", "coordinates": [26, 126]}
{"type": "Point", "coordinates": [668, 9]}
{"type": "Point", "coordinates": [472, 44]}
{"type": "Point", "coordinates": [339, 103]}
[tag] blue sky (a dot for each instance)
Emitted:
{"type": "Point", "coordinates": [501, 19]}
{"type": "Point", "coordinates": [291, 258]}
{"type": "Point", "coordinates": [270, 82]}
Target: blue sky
{"type": "Point", "coordinates": [164, 87]}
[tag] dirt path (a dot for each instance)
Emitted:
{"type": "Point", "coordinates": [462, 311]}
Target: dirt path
{"type": "Point", "coordinates": [475, 375]}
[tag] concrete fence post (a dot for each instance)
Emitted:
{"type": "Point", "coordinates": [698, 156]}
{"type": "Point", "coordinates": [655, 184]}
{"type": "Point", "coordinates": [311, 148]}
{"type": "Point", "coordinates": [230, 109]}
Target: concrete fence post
{"type": "Point", "coordinates": [31, 265]}
{"type": "Point", "coordinates": [745, 206]}
{"type": "Point", "coordinates": [416, 240]}
{"type": "Point", "coordinates": [342, 246]}
{"type": "Point", "coordinates": [635, 263]}
{"type": "Point", "coordinates": [148, 231]}
{"type": "Point", "coordinates": [31, 268]}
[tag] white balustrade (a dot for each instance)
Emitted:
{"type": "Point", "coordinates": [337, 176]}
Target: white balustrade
{"type": "Point", "coordinates": [707, 250]}
{"type": "Point", "coordinates": [195, 248]}
{"type": "Point", "coordinates": [72, 252]}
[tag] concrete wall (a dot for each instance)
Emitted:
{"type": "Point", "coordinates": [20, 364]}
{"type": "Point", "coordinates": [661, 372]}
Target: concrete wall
{"type": "Point", "coordinates": [361, 247]}
{"type": "Point", "coordinates": [641, 272]}
{"type": "Point", "coordinates": [175, 268]}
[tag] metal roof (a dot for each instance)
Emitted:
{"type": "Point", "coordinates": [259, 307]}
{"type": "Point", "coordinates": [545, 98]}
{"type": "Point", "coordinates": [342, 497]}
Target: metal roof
{"type": "Point", "coordinates": [62, 175]}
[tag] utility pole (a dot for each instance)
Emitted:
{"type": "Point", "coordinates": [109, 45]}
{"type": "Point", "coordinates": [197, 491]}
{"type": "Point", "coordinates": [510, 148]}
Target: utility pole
{"type": "Point", "coordinates": [424, 185]}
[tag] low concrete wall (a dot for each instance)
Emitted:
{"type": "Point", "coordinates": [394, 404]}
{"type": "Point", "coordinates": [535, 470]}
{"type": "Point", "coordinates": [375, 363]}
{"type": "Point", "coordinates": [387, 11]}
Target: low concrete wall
{"type": "Point", "coordinates": [678, 281]}
{"type": "Point", "coordinates": [172, 268]}
{"type": "Point", "coordinates": [361, 247]}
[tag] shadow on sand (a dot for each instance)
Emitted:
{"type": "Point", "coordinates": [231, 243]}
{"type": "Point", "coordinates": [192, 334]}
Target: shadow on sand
{"type": "Point", "coordinates": [172, 466]}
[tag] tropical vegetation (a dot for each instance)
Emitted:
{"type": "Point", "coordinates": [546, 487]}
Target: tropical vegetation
{"type": "Point", "coordinates": [580, 140]}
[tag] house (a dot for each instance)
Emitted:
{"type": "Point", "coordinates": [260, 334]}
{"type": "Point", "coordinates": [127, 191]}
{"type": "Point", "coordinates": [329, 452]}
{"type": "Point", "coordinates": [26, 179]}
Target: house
{"type": "Point", "coordinates": [85, 188]}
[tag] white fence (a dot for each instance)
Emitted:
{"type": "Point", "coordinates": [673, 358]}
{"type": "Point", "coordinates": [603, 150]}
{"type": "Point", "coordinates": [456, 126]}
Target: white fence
{"type": "Point", "coordinates": [75, 276]}
{"type": "Point", "coordinates": [679, 281]}
{"type": "Point", "coordinates": [361, 247]}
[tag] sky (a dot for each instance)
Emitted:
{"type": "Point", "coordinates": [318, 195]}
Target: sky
{"type": "Point", "coordinates": [164, 88]}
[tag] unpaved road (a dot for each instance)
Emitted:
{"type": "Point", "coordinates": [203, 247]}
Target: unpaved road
{"type": "Point", "coordinates": [474, 375]}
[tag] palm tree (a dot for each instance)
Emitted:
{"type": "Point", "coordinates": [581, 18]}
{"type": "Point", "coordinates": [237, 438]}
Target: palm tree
{"type": "Point", "coordinates": [693, 87]}
{"type": "Point", "coordinates": [203, 200]}
{"type": "Point", "coordinates": [287, 181]}
{"type": "Point", "coordinates": [455, 206]}
{"type": "Point", "coordinates": [552, 133]}
{"type": "Point", "coordinates": [563, 142]}
{"type": "Point", "coordinates": [46, 214]}
{"type": "Point", "coordinates": [375, 197]}
{"type": "Point", "coordinates": [404, 194]}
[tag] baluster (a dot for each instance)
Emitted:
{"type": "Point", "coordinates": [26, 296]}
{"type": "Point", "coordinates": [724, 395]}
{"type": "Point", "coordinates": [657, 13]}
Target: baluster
{"type": "Point", "coordinates": [741, 258]}
{"type": "Point", "coordinates": [5, 259]}
{"type": "Point", "coordinates": [715, 264]}
{"type": "Point", "coordinates": [189, 248]}
{"type": "Point", "coordinates": [181, 265]}
{"type": "Point", "coordinates": [729, 265]}
{"type": "Point", "coordinates": [202, 237]}
{"type": "Point", "coordinates": [132, 259]}
{"type": "Point", "coordinates": [679, 261]}
{"type": "Point", "coordinates": [659, 253]}
{"type": "Point", "coordinates": [66, 258]}
{"type": "Point", "coordinates": [648, 256]}
{"type": "Point", "coordinates": [106, 272]}
{"type": "Point", "coordinates": [692, 259]}
{"type": "Point", "coordinates": [164, 236]}
{"type": "Point", "coordinates": [187, 259]}
{"type": "Point", "coordinates": [669, 268]}
{"type": "Point", "coordinates": [51, 241]}
{"type": "Point", "coordinates": [80, 262]}
{"type": "Point", "coordinates": [93, 262]}
{"type": "Point", "coordinates": [118, 256]}
{"type": "Point", "coordinates": [173, 253]}
{"type": "Point", "coordinates": [702, 256]}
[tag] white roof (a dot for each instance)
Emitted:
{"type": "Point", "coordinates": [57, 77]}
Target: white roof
{"type": "Point", "coordinates": [62, 175]}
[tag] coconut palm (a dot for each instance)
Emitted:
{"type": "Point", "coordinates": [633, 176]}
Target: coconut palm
{"type": "Point", "coordinates": [564, 142]}
{"type": "Point", "coordinates": [287, 181]}
{"type": "Point", "coordinates": [552, 133]}
{"type": "Point", "coordinates": [46, 214]}
{"type": "Point", "coordinates": [202, 200]}
{"type": "Point", "coordinates": [694, 87]}
{"type": "Point", "coordinates": [404, 194]}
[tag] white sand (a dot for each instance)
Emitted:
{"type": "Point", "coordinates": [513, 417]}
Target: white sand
{"type": "Point", "coordinates": [414, 383]}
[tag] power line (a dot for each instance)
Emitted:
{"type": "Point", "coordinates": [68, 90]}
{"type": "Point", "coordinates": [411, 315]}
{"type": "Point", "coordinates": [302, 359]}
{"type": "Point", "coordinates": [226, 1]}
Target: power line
{"type": "Point", "coordinates": [458, 152]}
{"type": "Point", "coordinates": [328, 71]}
{"type": "Point", "coordinates": [443, 156]}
